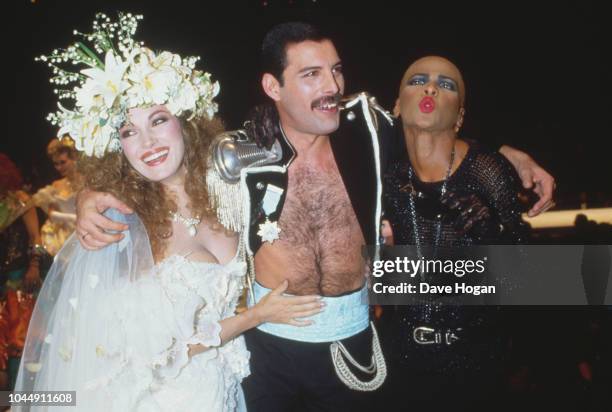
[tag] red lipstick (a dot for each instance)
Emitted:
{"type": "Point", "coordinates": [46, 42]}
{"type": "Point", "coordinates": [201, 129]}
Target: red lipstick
{"type": "Point", "coordinates": [427, 105]}
{"type": "Point", "coordinates": [155, 157]}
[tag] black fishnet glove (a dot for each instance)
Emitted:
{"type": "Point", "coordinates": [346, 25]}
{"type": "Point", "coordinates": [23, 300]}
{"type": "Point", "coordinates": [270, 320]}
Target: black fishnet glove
{"type": "Point", "coordinates": [473, 216]}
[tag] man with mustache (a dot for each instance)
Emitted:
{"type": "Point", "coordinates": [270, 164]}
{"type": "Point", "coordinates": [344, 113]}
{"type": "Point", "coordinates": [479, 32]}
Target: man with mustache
{"type": "Point", "coordinates": [310, 213]}
{"type": "Point", "coordinates": [330, 208]}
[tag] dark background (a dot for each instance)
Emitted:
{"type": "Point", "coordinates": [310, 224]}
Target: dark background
{"type": "Point", "coordinates": [536, 74]}
{"type": "Point", "coordinates": [537, 78]}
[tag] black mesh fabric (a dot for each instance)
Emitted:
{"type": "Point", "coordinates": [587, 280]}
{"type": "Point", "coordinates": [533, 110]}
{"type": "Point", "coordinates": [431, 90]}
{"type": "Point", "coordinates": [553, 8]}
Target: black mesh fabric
{"type": "Point", "coordinates": [488, 175]}
{"type": "Point", "coordinates": [493, 180]}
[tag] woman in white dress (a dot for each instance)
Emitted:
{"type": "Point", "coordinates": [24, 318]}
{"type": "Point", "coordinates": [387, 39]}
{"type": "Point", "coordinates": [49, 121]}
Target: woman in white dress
{"type": "Point", "coordinates": [149, 323]}
{"type": "Point", "coordinates": [58, 198]}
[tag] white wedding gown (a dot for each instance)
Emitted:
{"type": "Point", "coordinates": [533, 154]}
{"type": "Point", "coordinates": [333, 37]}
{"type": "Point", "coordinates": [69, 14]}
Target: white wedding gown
{"type": "Point", "coordinates": [115, 328]}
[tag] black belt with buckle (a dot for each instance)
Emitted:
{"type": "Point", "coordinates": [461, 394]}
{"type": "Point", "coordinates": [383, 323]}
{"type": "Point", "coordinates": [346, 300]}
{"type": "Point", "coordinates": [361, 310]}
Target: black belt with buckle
{"type": "Point", "coordinates": [424, 335]}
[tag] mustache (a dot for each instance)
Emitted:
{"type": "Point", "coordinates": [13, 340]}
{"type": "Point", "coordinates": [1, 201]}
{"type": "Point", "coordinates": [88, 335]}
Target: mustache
{"type": "Point", "coordinates": [331, 99]}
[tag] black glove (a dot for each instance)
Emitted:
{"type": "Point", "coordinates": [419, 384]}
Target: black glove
{"type": "Point", "coordinates": [473, 216]}
{"type": "Point", "coordinates": [262, 125]}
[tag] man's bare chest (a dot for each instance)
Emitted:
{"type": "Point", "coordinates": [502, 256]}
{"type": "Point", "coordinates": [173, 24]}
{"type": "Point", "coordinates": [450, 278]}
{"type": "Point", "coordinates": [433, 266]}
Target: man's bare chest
{"type": "Point", "coordinates": [317, 206]}
{"type": "Point", "coordinates": [318, 212]}
{"type": "Point", "coordinates": [320, 238]}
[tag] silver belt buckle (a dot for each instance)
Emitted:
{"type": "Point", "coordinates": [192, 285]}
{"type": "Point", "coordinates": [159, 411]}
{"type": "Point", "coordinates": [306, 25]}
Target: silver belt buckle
{"type": "Point", "coordinates": [450, 337]}
{"type": "Point", "coordinates": [424, 335]}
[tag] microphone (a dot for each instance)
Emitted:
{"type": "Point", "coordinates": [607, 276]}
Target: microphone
{"type": "Point", "coordinates": [233, 151]}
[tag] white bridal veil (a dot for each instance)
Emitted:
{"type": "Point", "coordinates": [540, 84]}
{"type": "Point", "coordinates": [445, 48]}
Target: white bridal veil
{"type": "Point", "coordinates": [87, 322]}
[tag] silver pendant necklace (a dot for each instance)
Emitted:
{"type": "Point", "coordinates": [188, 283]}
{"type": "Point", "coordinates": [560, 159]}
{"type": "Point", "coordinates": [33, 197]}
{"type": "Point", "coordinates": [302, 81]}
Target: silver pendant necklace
{"type": "Point", "coordinates": [428, 307]}
{"type": "Point", "coordinates": [190, 222]}
{"type": "Point", "coordinates": [417, 238]}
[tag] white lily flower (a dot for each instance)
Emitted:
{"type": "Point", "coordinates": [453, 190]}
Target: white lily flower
{"type": "Point", "coordinates": [183, 98]}
{"type": "Point", "coordinates": [162, 81]}
{"type": "Point", "coordinates": [134, 78]}
{"type": "Point", "coordinates": [86, 96]}
{"type": "Point", "coordinates": [139, 77]}
{"type": "Point", "coordinates": [108, 83]}
{"type": "Point", "coordinates": [80, 128]}
{"type": "Point", "coordinates": [101, 139]}
{"type": "Point", "coordinates": [150, 84]}
{"type": "Point", "coordinates": [165, 60]}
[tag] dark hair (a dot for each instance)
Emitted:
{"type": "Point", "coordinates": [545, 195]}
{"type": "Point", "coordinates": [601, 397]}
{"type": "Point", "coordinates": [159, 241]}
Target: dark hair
{"type": "Point", "coordinates": [263, 124]}
{"type": "Point", "coordinates": [276, 41]}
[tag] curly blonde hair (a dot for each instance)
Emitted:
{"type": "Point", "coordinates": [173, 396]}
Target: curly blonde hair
{"type": "Point", "coordinates": [113, 173]}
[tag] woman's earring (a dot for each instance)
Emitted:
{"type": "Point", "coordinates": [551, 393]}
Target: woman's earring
{"type": "Point", "coordinates": [459, 122]}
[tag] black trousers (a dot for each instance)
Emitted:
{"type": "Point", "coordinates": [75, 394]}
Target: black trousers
{"type": "Point", "coordinates": [427, 379]}
{"type": "Point", "coordinates": [463, 376]}
{"type": "Point", "coordinates": [288, 375]}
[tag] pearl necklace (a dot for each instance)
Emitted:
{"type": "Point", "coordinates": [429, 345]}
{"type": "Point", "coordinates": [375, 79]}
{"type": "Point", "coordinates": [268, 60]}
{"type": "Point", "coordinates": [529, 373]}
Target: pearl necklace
{"type": "Point", "coordinates": [190, 222]}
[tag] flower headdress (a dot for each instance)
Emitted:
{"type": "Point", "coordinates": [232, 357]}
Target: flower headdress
{"type": "Point", "coordinates": [121, 74]}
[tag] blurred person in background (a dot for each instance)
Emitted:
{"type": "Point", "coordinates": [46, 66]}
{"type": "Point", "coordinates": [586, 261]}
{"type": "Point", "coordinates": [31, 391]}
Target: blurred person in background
{"type": "Point", "coordinates": [20, 255]}
{"type": "Point", "coordinates": [57, 200]}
